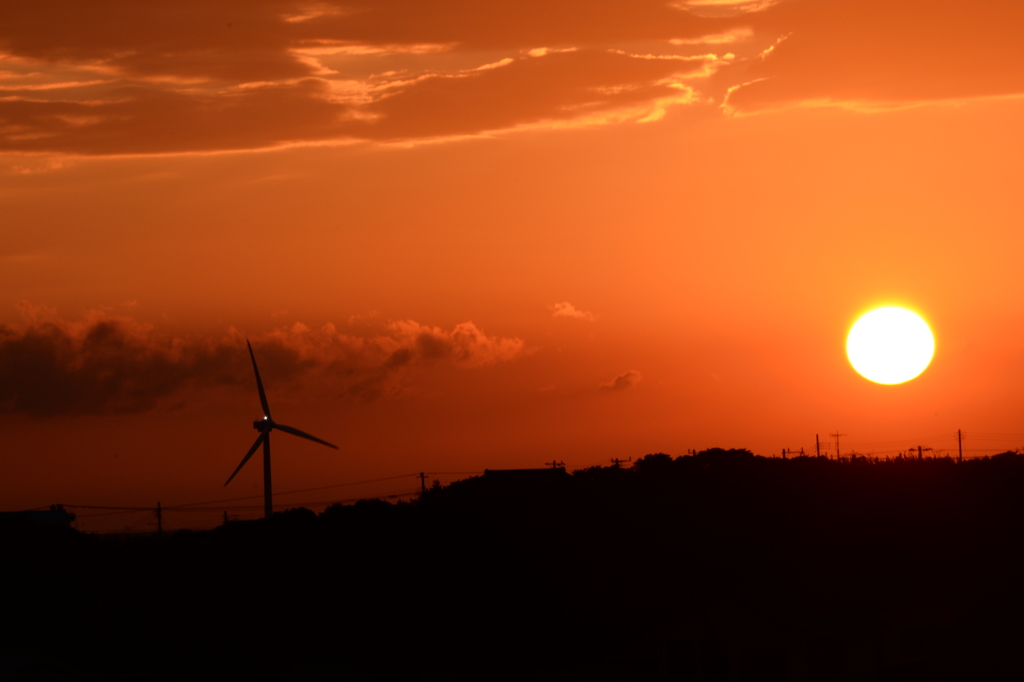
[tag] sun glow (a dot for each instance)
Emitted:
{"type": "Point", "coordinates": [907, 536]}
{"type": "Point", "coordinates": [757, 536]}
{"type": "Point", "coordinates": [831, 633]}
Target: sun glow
{"type": "Point", "coordinates": [890, 345]}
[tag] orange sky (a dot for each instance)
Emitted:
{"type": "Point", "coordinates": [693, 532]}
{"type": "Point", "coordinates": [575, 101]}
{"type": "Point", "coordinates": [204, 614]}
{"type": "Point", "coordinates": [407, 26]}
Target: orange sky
{"type": "Point", "coordinates": [462, 237]}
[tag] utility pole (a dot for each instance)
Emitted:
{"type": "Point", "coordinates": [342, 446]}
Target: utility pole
{"type": "Point", "coordinates": [616, 461]}
{"type": "Point", "coordinates": [423, 482]}
{"type": "Point", "coordinates": [920, 452]}
{"type": "Point", "coordinates": [836, 436]}
{"type": "Point", "coordinates": [159, 520]}
{"type": "Point", "coordinates": [554, 464]}
{"type": "Point", "coordinates": [960, 444]}
{"type": "Point", "coordinates": [817, 444]}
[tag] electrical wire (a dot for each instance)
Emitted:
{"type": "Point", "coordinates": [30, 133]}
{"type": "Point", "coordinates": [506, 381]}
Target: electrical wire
{"type": "Point", "coordinates": [204, 506]}
{"type": "Point", "coordinates": [110, 513]}
{"type": "Point", "coordinates": [319, 503]}
{"type": "Point", "coordinates": [293, 492]}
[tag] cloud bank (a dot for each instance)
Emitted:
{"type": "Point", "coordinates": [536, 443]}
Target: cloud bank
{"type": "Point", "coordinates": [111, 365]}
{"type": "Point", "coordinates": [124, 77]}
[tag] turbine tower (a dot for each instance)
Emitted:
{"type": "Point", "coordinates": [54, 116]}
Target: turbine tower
{"type": "Point", "coordinates": [265, 426]}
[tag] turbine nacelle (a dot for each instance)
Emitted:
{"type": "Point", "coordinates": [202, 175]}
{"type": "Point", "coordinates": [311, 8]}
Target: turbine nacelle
{"type": "Point", "coordinates": [264, 424]}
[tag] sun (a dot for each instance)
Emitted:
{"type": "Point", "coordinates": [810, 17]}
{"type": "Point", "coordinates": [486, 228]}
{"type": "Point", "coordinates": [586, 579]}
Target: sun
{"type": "Point", "coordinates": [890, 345]}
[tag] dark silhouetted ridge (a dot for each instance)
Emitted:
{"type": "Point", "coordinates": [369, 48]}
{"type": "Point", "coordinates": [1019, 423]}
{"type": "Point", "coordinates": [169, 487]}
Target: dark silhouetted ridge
{"type": "Point", "coordinates": [721, 565]}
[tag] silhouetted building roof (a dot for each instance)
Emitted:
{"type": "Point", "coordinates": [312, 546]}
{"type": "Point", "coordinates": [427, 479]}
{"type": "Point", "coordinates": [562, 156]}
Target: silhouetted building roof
{"type": "Point", "coordinates": [56, 515]}
{"type": "Point", "coordinates": [526, 475]}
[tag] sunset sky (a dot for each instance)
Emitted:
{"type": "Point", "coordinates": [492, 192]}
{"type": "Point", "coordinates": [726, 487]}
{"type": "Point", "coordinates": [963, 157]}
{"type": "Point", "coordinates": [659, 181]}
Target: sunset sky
{"type": "Point", "coordinates": [462, 235]}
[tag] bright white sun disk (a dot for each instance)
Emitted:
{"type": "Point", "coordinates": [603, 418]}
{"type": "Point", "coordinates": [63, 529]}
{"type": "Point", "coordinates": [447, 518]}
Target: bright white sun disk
{"type": "Point", "coordinates": [890, 345]}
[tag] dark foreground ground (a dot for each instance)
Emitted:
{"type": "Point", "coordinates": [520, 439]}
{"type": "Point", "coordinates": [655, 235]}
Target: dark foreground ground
{"type": "Point", "coordinates": [720, 566]}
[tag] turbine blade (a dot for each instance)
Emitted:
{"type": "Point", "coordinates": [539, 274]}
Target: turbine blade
{"type": "Point", "coordinates": [255, 446]}
{"type": "Point", "coordinates": [259, 382]}
{"type": "Point", "coordinates": [303, 434]}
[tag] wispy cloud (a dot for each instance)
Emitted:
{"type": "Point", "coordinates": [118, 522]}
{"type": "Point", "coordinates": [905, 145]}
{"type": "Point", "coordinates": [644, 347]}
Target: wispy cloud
{"type": "Point", "coordinates": [624, 381]}
{"type": "Point", "coordinates": [875, 52]}
{"type": "Point", "coordinates": [566, 309]}
{"type": "Point", "coordinates": [137, 78]}
{"type": "Point", "coordinates": [737, 35]}
{"type": "Point", "coordinates": [713, 7]}
{"type": "Point", "coordinates": [124, 77]}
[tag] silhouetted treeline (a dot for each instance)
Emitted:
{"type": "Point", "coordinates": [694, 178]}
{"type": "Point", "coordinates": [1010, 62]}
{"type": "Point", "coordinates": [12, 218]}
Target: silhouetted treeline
{"type": "Point", "coordinates": [721, 565]}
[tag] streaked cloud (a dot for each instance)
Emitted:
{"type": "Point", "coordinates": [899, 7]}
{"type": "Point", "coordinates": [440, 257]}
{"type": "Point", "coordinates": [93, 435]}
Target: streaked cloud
{"type": "Point", "coordinates": [541, 51]}
{"type": "Point", "coordinates": [160, 77]}
{"type": "Point", "coordinates": [735, 36]}
{"type": "Point", "coordinates": [724, 7]}
{"type": "Point", "coordinates": [868, 53]}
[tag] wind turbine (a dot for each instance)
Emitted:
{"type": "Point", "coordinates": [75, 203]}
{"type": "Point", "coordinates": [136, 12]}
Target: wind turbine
{"type": "Point", "coordinates": [265, 426]}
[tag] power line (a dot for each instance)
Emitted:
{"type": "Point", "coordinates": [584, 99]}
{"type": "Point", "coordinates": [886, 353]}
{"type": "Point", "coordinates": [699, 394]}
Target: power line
{"type": "Point", "coordinates": [220, 509]}
{"type": "Point", "coordinates": [253, 497]}
{"type": "Point", "coordinates": [110, 513]}
{"type": "Point", "coordinates": [114, 510]}
{"type": "Point", "coordinates": [89, 506]}
{"type": "Point", "coordinates": [241, 507]}
{"type": "Point", "coordinates": [203, 506]}
{"type": "Point", "coordinates": [293, 492]}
